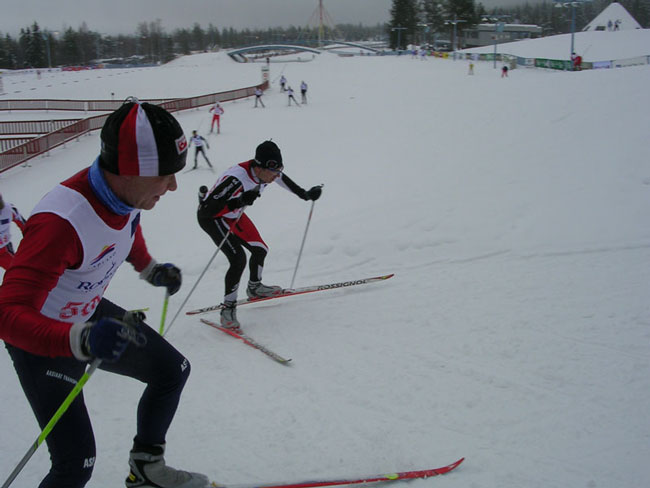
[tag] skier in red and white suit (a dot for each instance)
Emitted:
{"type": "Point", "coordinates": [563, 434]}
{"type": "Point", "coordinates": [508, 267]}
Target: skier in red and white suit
{"type": "Point", "coordinates": [221, 209]}
{"type": "Point", "coordinates": [217, 111]}
{"type": "Point", "coordinates": [8, 214]}
{"type": "Point", "coordinates": [54, 317]}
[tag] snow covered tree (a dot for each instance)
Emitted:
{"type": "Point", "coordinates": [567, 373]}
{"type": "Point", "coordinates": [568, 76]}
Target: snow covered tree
{"type": "Point", "coordinates": [70, 53]}
{"type": "Point", "coordinates": [213, 36]}
{"type": "Point", "coordinates": [464, 14]}
{"type": "Point", "coordinates": [8, 52]}
{"type": "Point", "coordinates": [433, 14]}
{"type": "Point", "coordinates": [402, 28]}
{"type": "Point", "coordinates": [35, 47]}
{"type": "Point", "coordinates": [198, 37]}
{"type": "Point", "coordinates": [182, 41]}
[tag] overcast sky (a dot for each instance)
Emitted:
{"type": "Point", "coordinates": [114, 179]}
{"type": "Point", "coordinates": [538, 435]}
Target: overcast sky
{"type": "Point", "coordinates": [123, 16]}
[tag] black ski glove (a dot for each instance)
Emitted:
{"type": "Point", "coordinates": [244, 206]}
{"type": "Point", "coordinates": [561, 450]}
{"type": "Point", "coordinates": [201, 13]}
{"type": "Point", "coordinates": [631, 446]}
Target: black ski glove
{"type": "Point", "coordinates": [244, 200]}
{"type": "Point", "coordinates": [313, 193]}
{"type": "Point", "coordinates": [166, 275]}
{"type": "Point", "coordinates": [248, 197]}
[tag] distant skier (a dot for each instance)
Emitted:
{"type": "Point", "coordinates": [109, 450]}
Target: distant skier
{"type": "Point", "coordinates": [291, 97]}
{"type": "Point", "coordinates": [504, 71]}
{"type": "Point", "coordinates": [576, 61]}
{"type": "Point", "coordinates": [283, 83]}
{"type": "Point", "coordinates": [217, 112]}
{"type": "Point", "coordinates": [199, 142]}
{"type": "Point", "coordinates": [8, 214]}
{"type": "Point", "coordinates": [258, 97]}
{"type": "Point", "coordinates": [221, 214]}
{"type": "Point", "coordinates": [303, 92]}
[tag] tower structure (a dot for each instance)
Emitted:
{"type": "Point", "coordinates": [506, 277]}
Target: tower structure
{"type": "Point", "coordinates": [323, 18]}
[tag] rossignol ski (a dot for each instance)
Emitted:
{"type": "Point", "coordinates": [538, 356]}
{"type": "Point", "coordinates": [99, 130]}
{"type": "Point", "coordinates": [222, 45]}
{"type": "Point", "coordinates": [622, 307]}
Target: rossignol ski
{"type": "Point", "coordinates": [405, 475]}
{"type": "Point", "coordinates": [296, 291]}
{"type": "Point", "coordinates": [238, 334]}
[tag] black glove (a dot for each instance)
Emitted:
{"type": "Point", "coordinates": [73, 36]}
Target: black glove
{"type": "Point", "coordinates": [244, 200]}
{"type": "Point", "coordinates": [313, 193]}
{"type": "Point", "coordinates": [248, 197]}
{"type": "Point", "coordinates": [166, 275]}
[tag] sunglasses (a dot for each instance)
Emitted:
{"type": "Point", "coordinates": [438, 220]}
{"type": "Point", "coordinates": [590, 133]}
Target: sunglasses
{"type": "Point", "coordinates": [272, 164]}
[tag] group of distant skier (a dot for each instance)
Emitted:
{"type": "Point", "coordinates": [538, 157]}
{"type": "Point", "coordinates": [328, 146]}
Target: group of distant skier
{"type": "Point", "coordinates": [285, 87]}
{"type": "Point", "coordinates": [201, 144]}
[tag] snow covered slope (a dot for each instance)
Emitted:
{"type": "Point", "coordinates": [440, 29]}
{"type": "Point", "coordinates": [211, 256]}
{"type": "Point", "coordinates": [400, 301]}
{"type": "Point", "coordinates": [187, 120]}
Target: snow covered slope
{"type": "Point", "coordinates": [515, 332]}
{"type": "Point", "coordinates": [592, 46]}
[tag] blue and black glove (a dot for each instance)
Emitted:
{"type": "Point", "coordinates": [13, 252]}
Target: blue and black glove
{"type": "Point", "coordinates": [166, 275]}
{"type": "Point", "coordinates": [107, 338]}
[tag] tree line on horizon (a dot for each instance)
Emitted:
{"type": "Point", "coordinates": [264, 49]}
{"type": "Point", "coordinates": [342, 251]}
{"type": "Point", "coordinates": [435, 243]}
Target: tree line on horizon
{"type": "Point", "coordinates": [425, 21]}
{"type": "Point", "coordinates": [411, 22]}
{"type": "Point", "coordinates": [151, 44]}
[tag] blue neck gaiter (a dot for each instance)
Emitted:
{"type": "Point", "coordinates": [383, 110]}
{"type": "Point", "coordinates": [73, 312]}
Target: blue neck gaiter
{"type": "Point", "coordinates": [104, 193]}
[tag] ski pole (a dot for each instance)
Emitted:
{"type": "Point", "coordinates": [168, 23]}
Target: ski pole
{"type": "Point", "coordinates": [55, 418]}
{"type": "Point", "coordinates": [278, 76]}
{"type": "Point", "coordinates": [204, 271]}
{"type": "Point", "coordinates": [164, 314]}
{"type": "Point", "coordinates": [304, 237]}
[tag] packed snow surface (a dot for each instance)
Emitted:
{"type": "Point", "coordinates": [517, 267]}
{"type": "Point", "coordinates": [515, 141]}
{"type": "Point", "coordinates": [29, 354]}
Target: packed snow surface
{"type": "Point", "coordinates": [516, 331]}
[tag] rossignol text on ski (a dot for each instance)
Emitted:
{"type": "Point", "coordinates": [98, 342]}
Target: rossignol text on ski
{"type": "Point", "coordinates": [296, 291]}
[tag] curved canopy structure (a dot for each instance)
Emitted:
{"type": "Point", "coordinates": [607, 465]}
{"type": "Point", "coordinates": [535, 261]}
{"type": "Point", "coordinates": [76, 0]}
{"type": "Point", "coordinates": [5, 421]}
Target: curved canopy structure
{"type": "Point", "coordinates": [240, 54]}
{"type": "Point", "coordinates": [337, 44]}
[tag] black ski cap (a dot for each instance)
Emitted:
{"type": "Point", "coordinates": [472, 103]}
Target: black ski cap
{"type": "Point", "coordinates": [268, 156]}
{"type": "Point", "coordinates": [142, 139]}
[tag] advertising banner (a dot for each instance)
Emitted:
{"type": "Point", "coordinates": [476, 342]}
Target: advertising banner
{"type": "Point", "coordinates": [553, 63]}
{"type": "Point", "coordinates": [619, 63]}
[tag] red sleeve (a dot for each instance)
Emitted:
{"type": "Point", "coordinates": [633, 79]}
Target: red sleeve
{"type": "Point", "coordinates": [139, 256]}
{"type": "Point", "coordinates": [50, 245]}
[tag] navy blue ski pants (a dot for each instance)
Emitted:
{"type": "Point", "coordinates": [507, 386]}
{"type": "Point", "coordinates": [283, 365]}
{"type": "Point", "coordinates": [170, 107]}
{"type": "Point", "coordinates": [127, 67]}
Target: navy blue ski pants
{"type": "Point", "coordinates": [47, 381]}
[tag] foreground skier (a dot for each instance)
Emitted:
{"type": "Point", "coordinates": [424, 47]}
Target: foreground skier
{"type": "Point", "coordinates": [54, 318]}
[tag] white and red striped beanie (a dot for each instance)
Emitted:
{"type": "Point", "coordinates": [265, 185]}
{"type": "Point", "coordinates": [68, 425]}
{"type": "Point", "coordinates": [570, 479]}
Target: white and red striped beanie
{"type": "Point", "coordinates": [141, 139]}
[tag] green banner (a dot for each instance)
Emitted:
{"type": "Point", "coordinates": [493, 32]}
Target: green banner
{"type": "Point", "coordinates": [552, 63]}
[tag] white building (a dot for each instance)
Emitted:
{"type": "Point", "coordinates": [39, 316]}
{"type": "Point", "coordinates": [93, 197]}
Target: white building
{"type": "Point", "coordinates": [484, 34]}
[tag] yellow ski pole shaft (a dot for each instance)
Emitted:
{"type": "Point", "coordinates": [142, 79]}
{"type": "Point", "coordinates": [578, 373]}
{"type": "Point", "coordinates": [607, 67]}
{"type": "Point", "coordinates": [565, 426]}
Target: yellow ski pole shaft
{"type": "Point", "coordinates": [161, 330]}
